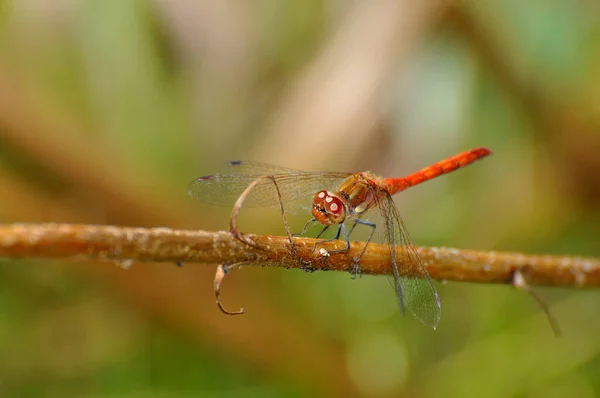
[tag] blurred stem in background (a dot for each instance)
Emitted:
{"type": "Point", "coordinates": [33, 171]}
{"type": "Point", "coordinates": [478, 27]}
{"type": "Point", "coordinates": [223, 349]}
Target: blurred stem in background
{"type": "Point", "coordinates": [108, 109]}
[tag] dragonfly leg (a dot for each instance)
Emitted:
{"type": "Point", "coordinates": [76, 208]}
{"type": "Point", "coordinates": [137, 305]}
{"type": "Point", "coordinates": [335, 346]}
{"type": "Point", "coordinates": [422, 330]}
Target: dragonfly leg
{"type": "Point", "coordinates": [312, 220]}
{"type": "Point", "coordinates": [371, 225]}
{"type": "Point", "coordinates": [353, 226]}
{"type": "Point", "coordinates": [325, 228]}
{"type": "Point", "coordinates": [341, 230]}
{"type": "Point", "coordinates": [222, 270]}
{"type": "Point", "coordinates": [336, 237]}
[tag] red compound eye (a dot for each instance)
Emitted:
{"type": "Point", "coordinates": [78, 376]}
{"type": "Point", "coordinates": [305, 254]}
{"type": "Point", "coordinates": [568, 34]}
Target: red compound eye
{"type": "Point", "coordinates": [333, 205]}
{"type": "Point", "coordinates": [328, 209]}
{"type": "Point", "coordinates": [320, 197]}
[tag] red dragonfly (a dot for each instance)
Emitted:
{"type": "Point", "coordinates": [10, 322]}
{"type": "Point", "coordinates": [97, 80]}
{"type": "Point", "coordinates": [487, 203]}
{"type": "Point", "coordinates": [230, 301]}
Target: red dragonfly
{"type": "Point", "coordinates": [337, 198]}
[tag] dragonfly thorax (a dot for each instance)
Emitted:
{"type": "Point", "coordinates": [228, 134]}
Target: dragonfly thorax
{"type": "Point", "coordinates": [360, 191]}
{"type": "Point", "coordinates": [328, 208]}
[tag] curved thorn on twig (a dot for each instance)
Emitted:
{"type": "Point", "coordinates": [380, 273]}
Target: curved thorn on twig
{"type": "Point", "coordinates": [222, 270]}
{"type": "Point", "coordinates": [520, 283]}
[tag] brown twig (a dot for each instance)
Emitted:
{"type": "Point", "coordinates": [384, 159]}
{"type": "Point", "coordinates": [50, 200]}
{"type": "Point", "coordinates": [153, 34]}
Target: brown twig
{"type": "Point", "coordinates": [168, 245]}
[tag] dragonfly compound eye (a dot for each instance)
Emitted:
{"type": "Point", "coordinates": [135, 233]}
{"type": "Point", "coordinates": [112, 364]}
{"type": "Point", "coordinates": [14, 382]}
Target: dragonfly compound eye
{"type": "Point", "coordinates": [328, 209]}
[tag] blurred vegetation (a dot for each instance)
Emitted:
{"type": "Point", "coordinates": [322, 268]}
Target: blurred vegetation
{"type": "Point", "coordinates": [109, 108]}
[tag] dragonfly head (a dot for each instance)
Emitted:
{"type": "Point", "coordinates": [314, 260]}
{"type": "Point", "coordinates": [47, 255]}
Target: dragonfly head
{"type": "Point", "coordinates": [328, 208]}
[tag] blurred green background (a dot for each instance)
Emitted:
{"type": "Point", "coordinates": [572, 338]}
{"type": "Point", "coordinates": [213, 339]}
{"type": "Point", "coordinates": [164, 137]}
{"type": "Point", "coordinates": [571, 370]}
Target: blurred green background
{"type": "Point", "coordinates": [108, 109]}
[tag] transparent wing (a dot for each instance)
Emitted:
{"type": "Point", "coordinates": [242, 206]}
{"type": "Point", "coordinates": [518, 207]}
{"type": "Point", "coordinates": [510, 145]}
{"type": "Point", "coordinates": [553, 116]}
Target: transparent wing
{"type": "Point", "coordinates": [255, 168]}
{"type": "Point", "coordinates": [225, 189]}
{"type": "Point", "coordinates": [413, 286]}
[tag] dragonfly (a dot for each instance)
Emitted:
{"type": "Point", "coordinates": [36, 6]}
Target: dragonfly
{"type": "Point", "coordinates": [339, 198]}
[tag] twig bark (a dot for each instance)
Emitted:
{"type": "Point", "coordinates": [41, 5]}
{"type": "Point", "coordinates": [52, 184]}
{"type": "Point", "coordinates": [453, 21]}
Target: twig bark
{"type": "Point", "coordinates": [68, 241]}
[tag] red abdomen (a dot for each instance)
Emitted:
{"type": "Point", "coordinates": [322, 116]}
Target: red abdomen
{"type": "Point", "coordinates": [395, 185]}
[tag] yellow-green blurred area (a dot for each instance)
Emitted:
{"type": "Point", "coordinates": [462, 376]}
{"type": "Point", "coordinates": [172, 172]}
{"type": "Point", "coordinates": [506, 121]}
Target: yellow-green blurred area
{"type": "Point", "coordinates": [109, 108]}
